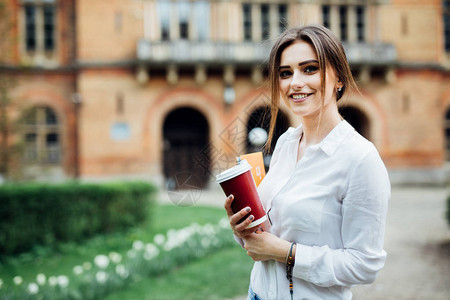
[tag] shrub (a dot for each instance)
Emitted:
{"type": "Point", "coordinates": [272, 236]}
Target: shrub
{"type": "Point", "coordinates": [36, 214]}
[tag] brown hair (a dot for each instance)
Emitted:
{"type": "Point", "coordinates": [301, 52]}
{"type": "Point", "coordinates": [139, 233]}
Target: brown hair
{"type": "Point", "coordinates": [330, 52]}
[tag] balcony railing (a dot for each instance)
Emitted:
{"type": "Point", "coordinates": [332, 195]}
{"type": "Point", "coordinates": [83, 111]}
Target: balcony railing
{"type": "Point", "coordinates": [209, 52]}
{"type": "Point", "coordinates": [370, 53]}
{"type": "Point", "coordinates": [202, 52]}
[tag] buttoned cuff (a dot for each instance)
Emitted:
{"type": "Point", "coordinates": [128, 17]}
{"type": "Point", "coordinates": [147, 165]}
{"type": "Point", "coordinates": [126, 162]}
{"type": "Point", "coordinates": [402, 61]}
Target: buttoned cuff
{"type": "Point", "coordinates": [303, 261]}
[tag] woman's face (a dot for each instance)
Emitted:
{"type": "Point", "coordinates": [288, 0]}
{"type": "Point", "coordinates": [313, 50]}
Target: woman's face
{"type": "Point", "coordinates": [300, 83]}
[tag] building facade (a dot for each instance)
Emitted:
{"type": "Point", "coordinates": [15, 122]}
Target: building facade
{"type": "Point", "coordinates": [171, 90]}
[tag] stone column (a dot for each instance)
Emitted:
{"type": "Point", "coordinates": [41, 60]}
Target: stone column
{"type": "Point", "coordinates": [351, 24]}
{"type": "Point", "coordinates": [334, 20]}
{"type": "Point", "coordinates": [174, 22]}
{"type": "Point", "coordinates": [256, 22]}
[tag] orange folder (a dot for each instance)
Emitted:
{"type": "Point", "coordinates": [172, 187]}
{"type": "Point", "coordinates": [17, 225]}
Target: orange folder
{"type": "Point", "coordinates": [257, 162]}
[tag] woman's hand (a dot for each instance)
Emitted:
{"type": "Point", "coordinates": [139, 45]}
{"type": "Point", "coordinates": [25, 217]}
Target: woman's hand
{"type": "Point", "coordinates": [262, 246]}
{"type": "Point", "coordinates": [239, 229]}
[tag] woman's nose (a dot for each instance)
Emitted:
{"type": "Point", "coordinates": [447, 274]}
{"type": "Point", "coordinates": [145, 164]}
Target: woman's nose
{"type": "Point", "coordinates": [297, 81]}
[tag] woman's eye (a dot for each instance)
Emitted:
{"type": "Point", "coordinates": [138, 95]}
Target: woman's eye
{"type": "Point", "coordinates": [284, 74]}
{"type": "Point", "coordinates": [311, 69]}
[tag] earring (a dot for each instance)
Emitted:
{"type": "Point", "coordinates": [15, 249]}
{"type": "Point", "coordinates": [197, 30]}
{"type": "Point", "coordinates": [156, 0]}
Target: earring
{"type": "Point", "coordinates": [339, 89]}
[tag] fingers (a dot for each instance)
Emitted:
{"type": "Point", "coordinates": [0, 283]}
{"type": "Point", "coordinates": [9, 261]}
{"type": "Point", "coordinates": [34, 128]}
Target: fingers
{"type": "Point", "coordinates": [239, 216]}
{"type": "Point", "coordinates": [234, 219]}
{"type": "Point", "coordinates": [227, 205]}
{"type": "Point", "coordinates": [239, 229]}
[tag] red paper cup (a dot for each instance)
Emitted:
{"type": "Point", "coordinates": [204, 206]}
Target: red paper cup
{"type": "Point", "coordinates": [239, 181]}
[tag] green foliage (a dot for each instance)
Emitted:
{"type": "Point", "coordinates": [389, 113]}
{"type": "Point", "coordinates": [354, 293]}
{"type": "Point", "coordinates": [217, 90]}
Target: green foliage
{"type": "Point", "coordinates": [42, 214]}
{"type": "Point", "coordinates": [115, 272]}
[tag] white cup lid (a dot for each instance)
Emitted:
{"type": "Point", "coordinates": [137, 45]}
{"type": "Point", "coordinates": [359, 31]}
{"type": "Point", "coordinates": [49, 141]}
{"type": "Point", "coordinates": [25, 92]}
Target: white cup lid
{"type": "Point", "coordinates": [242, 167]}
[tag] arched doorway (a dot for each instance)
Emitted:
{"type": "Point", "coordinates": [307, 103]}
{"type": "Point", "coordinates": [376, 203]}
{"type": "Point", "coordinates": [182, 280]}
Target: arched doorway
{"type": "Point", "coordinates": [357, 119]}
{"type": "Point", "coordinates": [186, 136]}
{"type": "Point", "coordinates": [260, 119]}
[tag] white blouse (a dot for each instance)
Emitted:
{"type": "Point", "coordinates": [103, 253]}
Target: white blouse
{"type": "Point", "coordinates": [332, 203]}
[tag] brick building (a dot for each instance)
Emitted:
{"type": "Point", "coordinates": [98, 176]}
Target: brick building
{"type": "Point", "coordinates": [154, 89]}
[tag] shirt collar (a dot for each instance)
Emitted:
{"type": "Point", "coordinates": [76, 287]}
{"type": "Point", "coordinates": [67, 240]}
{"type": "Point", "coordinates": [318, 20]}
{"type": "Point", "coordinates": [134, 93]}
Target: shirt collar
{"type": "Point", "coordinates": [330, 143]}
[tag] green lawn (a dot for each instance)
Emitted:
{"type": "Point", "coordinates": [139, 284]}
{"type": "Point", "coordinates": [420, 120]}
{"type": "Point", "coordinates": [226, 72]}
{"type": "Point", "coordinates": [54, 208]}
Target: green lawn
{"type": "Point", "coordinates": [223, 274]}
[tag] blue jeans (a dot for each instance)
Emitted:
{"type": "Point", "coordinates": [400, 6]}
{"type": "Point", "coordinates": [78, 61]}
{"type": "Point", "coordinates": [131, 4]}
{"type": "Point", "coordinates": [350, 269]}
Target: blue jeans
{"type": "Point", "coordinates": [252, 295]}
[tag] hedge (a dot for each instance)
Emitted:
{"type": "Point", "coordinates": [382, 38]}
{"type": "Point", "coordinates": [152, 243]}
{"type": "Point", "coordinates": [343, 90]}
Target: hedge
{"type": "Point", "coordinates": [42, 214]}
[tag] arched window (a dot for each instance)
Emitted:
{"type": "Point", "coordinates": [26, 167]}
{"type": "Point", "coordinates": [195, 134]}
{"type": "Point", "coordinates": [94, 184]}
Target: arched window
{"type": "Point", "coordinates": [41, 136]}
{"type": "Point", "coordinates": [447, 134]}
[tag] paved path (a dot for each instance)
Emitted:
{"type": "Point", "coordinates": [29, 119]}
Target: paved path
{"type": "Point", "coordinates": [417, 243]}
{"type": "Point", "coordinates": [418, 247]}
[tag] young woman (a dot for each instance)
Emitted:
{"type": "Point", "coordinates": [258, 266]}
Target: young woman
{"type": "Point", "coordinates": [327, 190]}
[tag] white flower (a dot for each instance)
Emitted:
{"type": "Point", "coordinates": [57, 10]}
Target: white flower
{"type": "Point", "coordinates": [115, 257]}
{"type": "Point", "coordinates": [52, 280]}
{"type": "Point", "coordinates": [169, 245]}
{"type": "Point", "coordinates": [77, 270]}
{"type": "Point", "coordinates": [17, 280]}
{"type": "Point", "coordinates": [41, 279]}
{"type": "Point", "coordinates": [159, 239]}
{"type": "Point", "coordinates": [138, 245]}
{"type": "Point", "coordinates": [152, 249]}
{"type": "Point", "coordinates": [101, 261]}
{"type": "Point", "coordinates": [131, 253]}
{"type": "Point", "coordinates": [87, 265]}
{"type": "Point", "coordinates": [63, 281]}
{"type": "Point", "coordinates": [122, 271]}
{"type": "Point", "coordinates": [1, 283]}
{"type": "Point", "coordinates": [148, 256]}
{"type": "Point", "coordinates": [33, 288]}
{"type": "Point", "coordinates": [208, 229]}
{"type": "Point", "coordinates": [101, 276]}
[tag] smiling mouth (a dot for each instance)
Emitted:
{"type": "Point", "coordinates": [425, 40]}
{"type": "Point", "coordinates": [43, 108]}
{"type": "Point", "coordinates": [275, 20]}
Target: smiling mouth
{"type": "Point", "coordinates": [299, 97]}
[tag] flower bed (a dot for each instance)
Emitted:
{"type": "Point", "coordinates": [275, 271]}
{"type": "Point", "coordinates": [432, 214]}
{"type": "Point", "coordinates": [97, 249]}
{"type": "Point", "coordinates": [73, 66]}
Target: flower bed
{"type": "Point", "coordinates": [112, 272]}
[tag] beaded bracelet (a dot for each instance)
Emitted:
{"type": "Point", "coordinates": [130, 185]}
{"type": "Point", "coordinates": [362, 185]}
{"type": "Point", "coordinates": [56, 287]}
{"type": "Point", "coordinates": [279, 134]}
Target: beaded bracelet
{"type": "Point", "coordinates": [289, 266]}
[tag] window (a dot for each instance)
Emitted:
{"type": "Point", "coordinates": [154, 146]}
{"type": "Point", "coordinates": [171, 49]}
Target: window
{"type": "Point", "coordinates": [42, 144]}
{"type": "Point", "coordinates": [343, 22]}
{"type": "Point", "coordinates": [183, 17]}
{"type": "Point", "coordinates": [326, 16]}
{"type": "Point", "coordinates": [163, 8]}
{"type": "Point", "coordinates": [446, 11]}
{"type": "Point", "coordinates": [272, 19]}
{"type": "Point", "coordinates": [265, 22]}
{"type": "Point", "coordinates": [30, 27]}
{"type": "Point", "coordinates": [49, 28]}
{"type": "Point", "coordinates": [283, 17]}
{"type": "Point", "coordinates": [360, 27]}
{"type": "Point", "coordinates": [348, 20]}
{"type": "Point", "coordinates": [40, 25]}
{"type": "Point", "coordinates": [247, 12]}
